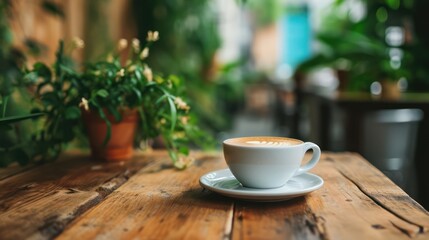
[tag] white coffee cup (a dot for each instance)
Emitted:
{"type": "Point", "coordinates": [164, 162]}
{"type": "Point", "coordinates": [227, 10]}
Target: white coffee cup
{"type": "Point", "coordinates": [267, 162]}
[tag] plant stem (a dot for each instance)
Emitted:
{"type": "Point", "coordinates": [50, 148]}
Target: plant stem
{"type": "Point", "coordinates": [5, 100]}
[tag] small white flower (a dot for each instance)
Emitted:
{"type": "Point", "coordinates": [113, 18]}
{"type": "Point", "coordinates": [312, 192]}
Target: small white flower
{"type": "Point", "coordinates": [179, 135]}
{"type": "Point", "coordinates": [148, 74]}
{"type": "Point", "coordinates": [155, 36]}
{"type": "Point", "coordinates": [152, 36]}
{"type": "Point", "coordinates": [136, 44]}
{"type": "Point", "coordinates": [84, 104]}
{"type": "Point", "coordinates": [181, 104]}
{"type": "Point", "coordinates": [132, 68]}
{"type": "Point", "coordinates": [184, 120]}
{"type": "Point", "coordinates": [144, 54]}
{"type": "Point", "coordinates": [78, 43]}
{"type": "Point", "coordinates": [109, 58]}
{"type": "Point", "coordinates": [184, 161]}
{"type": "Point", "coordinates": [122, 44]}
{"type": "Point", "coordinates": [121, 73]}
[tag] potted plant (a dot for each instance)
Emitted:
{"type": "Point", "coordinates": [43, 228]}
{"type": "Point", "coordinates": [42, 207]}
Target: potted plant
{"type": "Point", "coordinates": [115, 92]}
{"type": "Point", "coordinates": [359, 49]}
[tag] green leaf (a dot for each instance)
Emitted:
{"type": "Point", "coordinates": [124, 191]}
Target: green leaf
{"type": "Point", "coordinates": [30, 77]}
{"type": "Point", "coordinates": [115, 113]}
{"type": "Point", "coordinates": [394, 4]}
{"type": "Point", "coordinates": [175, 80]}
{"type": "Point", "coordinates": [138, 75]}
{"type": "Point", "coordinates": [108, 124]}
{"type": "Point", "coordinates": [161, 99]}
{"type": "Point", "coordinates": [72, 112]}
{"type": "Point", "coordinates": [67, 69]}
{"type": "Point", "coordinates": [173, 113]}
{"type": "Point", "coordinates": [51, 98]}
{"type": "Point", "coordinates": [42, 71]}
{"type": "Point", "coordinates": [137, 94]}
{"type": "Point", "coordinates": [12, 119]}
{"type": "Point", "coordinates": [102, 93]}
{"type": "Point", "coordinates": [184, 150]}
{"type": "Point", "coordinates": [4, 101]}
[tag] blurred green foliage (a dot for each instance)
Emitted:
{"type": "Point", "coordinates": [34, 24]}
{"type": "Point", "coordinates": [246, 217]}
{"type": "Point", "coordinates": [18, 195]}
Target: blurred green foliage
{"type": "Point", "coordinates": [359, 45]}
{"type": "Point", "coordinates": [12, 145]}
{"type": "Point", "coordinates": [265, 12]}
{"type": "Point", "coordinates": [16, 142]}
{"type": "Point", "coordinates": [188, 45]}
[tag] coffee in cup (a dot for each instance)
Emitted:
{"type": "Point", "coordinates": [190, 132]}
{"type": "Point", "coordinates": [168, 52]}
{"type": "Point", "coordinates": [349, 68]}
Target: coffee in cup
{"type": "Point", "coordinates": [267, 162]}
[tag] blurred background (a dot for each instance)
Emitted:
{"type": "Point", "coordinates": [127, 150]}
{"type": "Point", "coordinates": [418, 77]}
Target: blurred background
{"type": "Point", "coordinates": [349, 75]}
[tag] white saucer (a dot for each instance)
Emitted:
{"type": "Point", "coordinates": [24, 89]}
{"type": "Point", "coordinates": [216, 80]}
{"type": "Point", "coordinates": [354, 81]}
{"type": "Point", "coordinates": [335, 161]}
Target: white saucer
{"type": "Point", "coordinates": [223, 182]}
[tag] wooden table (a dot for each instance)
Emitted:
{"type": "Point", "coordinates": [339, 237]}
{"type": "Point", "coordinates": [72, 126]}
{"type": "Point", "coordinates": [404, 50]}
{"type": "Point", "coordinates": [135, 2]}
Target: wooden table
{"type": "Point", "coordinates": [76, 198]}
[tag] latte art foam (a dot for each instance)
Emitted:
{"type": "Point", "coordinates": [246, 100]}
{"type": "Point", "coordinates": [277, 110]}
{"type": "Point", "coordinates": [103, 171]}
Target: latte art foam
{"type": "Point", "coordinates": [269, 143]}
{"type": "Point", "coordinates": [263, 141]}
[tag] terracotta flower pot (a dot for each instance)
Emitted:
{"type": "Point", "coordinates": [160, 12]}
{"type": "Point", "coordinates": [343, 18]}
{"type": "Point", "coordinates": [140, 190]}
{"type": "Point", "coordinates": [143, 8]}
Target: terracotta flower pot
{"type": "Point", "coordinates": [390, 90]}
{"type": "Point", "coordinates": [120, 145]}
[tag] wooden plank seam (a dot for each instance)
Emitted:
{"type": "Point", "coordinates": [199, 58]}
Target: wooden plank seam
{"type": "Point", "coordinates": [376, 201]}
{"type": "Point", "coordinates": [229, 223]}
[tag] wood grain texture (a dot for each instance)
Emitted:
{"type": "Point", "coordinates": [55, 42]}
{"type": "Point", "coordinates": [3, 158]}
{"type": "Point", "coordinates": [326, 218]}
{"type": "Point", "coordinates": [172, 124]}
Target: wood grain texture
{"type": "Point", "coordinates": [13, 170]}
{"type": "Point", "coordinates": [147, 199]}
{"type": "Point", "coordinates": [346, 205]}
{"type": "Point", "coordinates": [279, 220]}
{"type": "Point", "coordinates": [380, 189]}
{"type": "Point", "coordinates": [342, 209]}
{"type": "Point", "coordinates": [41, 202]}
{"type": "Point", "coordinates": [159, 203]}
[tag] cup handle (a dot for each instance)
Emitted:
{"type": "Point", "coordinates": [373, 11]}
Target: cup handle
{"type": "Point", "coordinates": [313, 161]}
